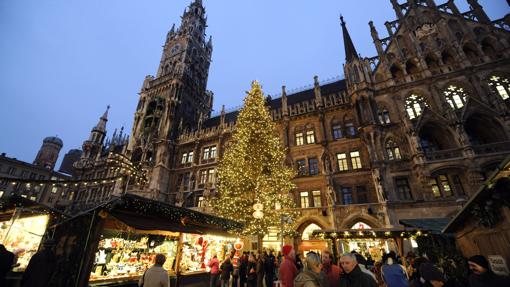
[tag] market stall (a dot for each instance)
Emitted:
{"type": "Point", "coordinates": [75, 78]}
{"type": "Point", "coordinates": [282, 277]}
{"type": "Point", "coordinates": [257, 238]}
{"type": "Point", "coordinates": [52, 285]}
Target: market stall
{"type": "Point", "coordinates": [23, 226]}
{"type": "Point", "coordinates": [376, 241]}
{"type": "Point", "coordinates": [118, 241]}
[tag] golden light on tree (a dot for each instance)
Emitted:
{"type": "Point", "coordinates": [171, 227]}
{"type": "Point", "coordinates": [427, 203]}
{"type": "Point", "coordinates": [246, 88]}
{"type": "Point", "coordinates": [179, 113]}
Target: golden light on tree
{"type": "Point", "coordinates": [252, 175]}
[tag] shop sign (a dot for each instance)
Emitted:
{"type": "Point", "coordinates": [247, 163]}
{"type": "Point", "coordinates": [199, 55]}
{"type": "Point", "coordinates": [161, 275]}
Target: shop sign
{"type": "Point", "coordinates": [498, 265]}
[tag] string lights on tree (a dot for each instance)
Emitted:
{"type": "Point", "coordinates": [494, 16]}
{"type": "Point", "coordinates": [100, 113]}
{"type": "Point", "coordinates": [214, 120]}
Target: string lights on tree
{"type": "Point", "coordinates": [254, 183]}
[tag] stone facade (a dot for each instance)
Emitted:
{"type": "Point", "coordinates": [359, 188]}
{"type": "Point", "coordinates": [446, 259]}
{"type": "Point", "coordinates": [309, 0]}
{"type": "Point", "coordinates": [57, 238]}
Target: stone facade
{"type": "Point", "coordinates": [409, 133]}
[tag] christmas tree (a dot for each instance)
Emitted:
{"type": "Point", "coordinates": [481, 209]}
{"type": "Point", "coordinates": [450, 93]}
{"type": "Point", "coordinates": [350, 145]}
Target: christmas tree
{"type": "Point", "coordinates": [254, 183]}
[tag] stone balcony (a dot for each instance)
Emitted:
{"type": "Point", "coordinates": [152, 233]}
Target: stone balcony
{"type": "Point", "coordinates": [491, 148]}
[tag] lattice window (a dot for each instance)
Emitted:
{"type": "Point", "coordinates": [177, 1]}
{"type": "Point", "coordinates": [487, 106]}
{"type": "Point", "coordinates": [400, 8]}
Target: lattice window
{"type": "Point", "coordinates": [415, 104]}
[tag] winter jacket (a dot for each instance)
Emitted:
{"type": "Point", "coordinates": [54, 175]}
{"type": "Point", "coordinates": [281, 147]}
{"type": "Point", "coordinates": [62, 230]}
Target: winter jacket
{"type": "Point", "coordinates": [287, 272]}
{"type": "Point", "coordinates": [251, 272]}
{"type": "Point", "coordinates": [395, 275]}
{"type": "Point", "coordinates": [214, 264]}
{"type": "Point", "coordinates": [308, 279]}
{"type": "Point", "coordinates": [357, 278]}
{"type": "Point", "coordinates": [488, 279]}
{"type": "Point", "coordinates": [156, 276]}
{"type": "Point", "coordinates": [333, 274]}
{"type": "Point", "coordinates": [39, 269]}
{"type": "Point", "coordinates": [226, 270]}
{"type": "Point", "coordinates": [269, 264]}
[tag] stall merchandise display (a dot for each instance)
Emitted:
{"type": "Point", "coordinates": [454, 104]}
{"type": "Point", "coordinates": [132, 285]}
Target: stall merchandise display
{"type": "Point", "coordinates": [197, 250]}
{"type": "Point", "coordinates": [121, 258]}
{"type": "Point", "coordinates": [23, 235]}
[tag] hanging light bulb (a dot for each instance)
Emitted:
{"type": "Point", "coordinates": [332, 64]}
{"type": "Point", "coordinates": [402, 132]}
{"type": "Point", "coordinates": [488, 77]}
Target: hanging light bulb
{"type": "Point", "coordinates": [258, 214]}
{"type": "Point", "coordinates": [258, 206]}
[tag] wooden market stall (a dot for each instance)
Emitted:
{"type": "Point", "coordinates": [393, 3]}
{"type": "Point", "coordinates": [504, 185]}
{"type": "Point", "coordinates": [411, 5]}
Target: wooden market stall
{"type": "Point", "coordinates": [396, 235]}
{"type": "Point", "coordinates": [113, 244]}
{"type": "Point", "coordinates": [23, 227]}
{"type": "Point", "coordinates": [483, 224]}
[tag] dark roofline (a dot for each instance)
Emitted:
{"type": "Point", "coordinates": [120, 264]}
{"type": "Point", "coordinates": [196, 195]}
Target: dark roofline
{"type": "Point", "coordinates": [463, 213]}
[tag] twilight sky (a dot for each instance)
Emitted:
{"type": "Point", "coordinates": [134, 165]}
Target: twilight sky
{"type": "Point", "coordinates": [63, 61]}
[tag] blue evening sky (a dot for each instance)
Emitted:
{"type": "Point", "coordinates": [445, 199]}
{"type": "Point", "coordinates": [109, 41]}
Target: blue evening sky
{"type": "Point", "coordinates": [63, 61]}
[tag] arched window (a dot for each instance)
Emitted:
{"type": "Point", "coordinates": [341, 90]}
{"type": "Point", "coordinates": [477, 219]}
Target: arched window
{"type": "Point", "coordinates": [455, 96]}
{"type": "Point", "coordinates": [392, 150]}
{"type": "Point", "coordinates": [307, 232]}
{"type": "Point", "coordinates": [384, 116]}
{"type": "Point", "coordinates": [415, 105]}
{"type": "Point", "coordinates": [500, 85]}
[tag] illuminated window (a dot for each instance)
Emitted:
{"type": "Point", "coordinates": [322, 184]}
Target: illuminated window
{"type": "Point", "coordinates": [301, 166]}
{"type": "Point", "coordinates": [316, 194]}
{"type": "Point", "coordinates": [190, 156]}
{"type": "Point", "coordinates": [210, 175]}
{"type": "Point", "coordinates": [203, 177]}
{"type": "Point", "coordinates": [435, 187]}
{"type": "Point", "coordinates": [209, 152]}
{"type": "Point", "coordinates": [415, 105]}
{"type": "Point", "coordinates": [187, 157]}
{"type": "Point", "coordinates": [299, 138]}
{"type": "Point", "coordinates": [337, 131]}
{"type": "Point", "coordinates": [304, 199]}
{"type": "Point", "coordinates": [355, 160]}
{"type": "Point", "coordinates": [500, 85]}
{"type": "Point", "coordinates": [445, 184]}
{"type": "Point", "coordinates": [342, 161]}
{"type": "Point", "coordinates": [313, 166]}
{"type": "Point", "coordinates": [200, 202]}
{"type": "Point", "coordinates": [455, 96]}
{"type": "Point", "coordinates": [310, 137]}
{"type": "Point", "coordinates": [54, 189]}
{"type": "Point", "coordinates": [392, 150]}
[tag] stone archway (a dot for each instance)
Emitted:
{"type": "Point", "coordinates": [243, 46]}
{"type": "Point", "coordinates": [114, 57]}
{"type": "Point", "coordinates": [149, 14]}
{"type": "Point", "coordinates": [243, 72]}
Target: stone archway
{"type": "Point", "coordinates": [304, 243]}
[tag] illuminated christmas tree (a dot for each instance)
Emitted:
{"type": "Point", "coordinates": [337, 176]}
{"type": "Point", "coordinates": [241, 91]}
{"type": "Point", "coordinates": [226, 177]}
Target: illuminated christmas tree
{"type": "Point", "coordinates": [254, 183]}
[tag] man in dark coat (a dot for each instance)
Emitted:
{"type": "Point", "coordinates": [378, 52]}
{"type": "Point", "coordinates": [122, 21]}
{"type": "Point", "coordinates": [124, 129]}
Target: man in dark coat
{"type": "Point", "coordinates": [243, 272]}
{"type": "Point", "coordinates": [260, 270]}
{"type": "Point", "coordinates": [6, 262]}
{"type": "Point", "coordinates": [353, 276]}
{"type": "Point", "coordinates": [269, 266]}
{"type": "Point", "coordinates": [41, 266]}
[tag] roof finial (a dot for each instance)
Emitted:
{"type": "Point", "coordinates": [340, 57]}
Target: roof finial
{"type": "Point", "coordinates": [350, 51]}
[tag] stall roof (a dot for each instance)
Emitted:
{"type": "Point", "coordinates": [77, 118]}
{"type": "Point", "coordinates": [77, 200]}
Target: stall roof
{"type": "Point", "coordinates": [369, 233]}
{"type": "Point", "coordinates": [9, 204]}
{"type": "Point", "coordinates": [146, 214]}
{"type": "Point", "coordinates": [503, 170]}
{"type": "Point", "coordinates": [434, 225]}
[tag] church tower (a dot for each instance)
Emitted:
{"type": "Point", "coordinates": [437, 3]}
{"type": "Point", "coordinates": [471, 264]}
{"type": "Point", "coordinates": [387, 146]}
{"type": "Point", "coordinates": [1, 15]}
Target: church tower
{"type": "Point", "coordinates": [173, 101]}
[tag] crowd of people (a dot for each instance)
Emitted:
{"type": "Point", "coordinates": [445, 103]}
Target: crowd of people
{"type": "Point", "coordinates": [287, 269]}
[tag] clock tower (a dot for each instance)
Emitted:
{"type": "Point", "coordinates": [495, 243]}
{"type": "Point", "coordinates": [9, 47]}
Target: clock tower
{"type": "Point", "coordinates": [173, 101]}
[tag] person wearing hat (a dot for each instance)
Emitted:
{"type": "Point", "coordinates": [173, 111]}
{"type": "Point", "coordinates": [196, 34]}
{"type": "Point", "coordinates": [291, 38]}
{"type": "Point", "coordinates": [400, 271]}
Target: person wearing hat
{"type": "Point", "coordinates": [288, 270]}
{"type": "Point", "coordinates": [430, 276]}
{"type": "Point", "coordinates": [41, 266]}
{"type": "Point", "coordinates": [482, 275]}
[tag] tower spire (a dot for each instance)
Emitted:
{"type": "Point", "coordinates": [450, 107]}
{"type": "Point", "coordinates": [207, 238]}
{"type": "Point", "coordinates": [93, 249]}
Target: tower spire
{"type": "Point", "coordinates": [101, 125]}
{"type": "Point", "coordinates": [350, 51]}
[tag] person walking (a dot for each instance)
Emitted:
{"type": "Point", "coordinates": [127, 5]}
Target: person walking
{"type": "Point", "coordinates": [288, 270]}
{"type": "Point", "coordinates": [353, 276]}
{"type": "Point", "coordinates": [311, 275]}
{"type": "Point", "coordinates": [269, 269]}
{"type": "Point", "coordinates": [251, 276]}
{"type": "Point", "coordinates": [156, 276]}
{"type": "Point", "coordinates": [41, 266]}
{"type": "Point", "coordinates": [214, 264]}
{"type": "Point", "coordinates": [394, 274]}
{"type": "Point", "coordinates": [362, 265]}
{"type": "Point", "coordinates": [482, 275]}
{"type": "Point", "coordinates": [260, 270]}
{"type": "Point", "coordinates": [331, 270]}
{"type": "Point", "coordinates": [7, 259]}
{"type": "Point", "coordinates": [235, 276]}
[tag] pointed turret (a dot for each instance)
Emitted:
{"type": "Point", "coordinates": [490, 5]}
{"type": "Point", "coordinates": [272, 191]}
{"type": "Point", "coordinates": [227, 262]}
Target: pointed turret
{"type": "Point", "coordinates": [350, 51]}
{"type": "Point", "coordinates": [101, 125]}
